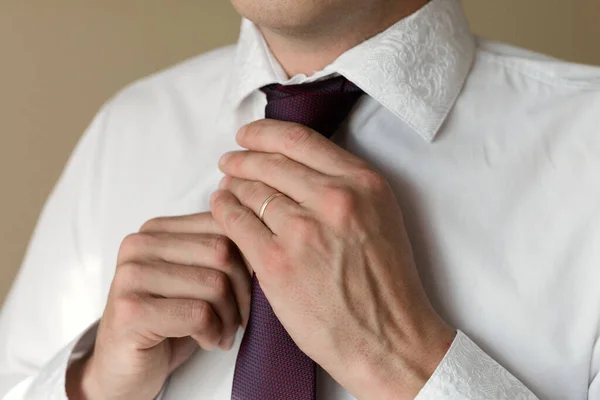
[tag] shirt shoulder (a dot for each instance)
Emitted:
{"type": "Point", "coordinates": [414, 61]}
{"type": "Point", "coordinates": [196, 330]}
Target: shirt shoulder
{"type": "Point", "coordinates": [198, 82]}
{"type": "Point", "coordinates": [154, 145]}
{"type": "Point", "coordinates": [512, 86]}
{"type": "Point", "coordinates": [537, 67]}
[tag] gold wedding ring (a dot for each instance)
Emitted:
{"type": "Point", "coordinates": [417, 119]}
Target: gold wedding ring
{"type": "Point", "coordinates": [265, 203]}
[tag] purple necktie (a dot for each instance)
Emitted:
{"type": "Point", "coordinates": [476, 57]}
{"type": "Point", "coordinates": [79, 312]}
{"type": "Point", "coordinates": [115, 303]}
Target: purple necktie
{"type": "Point", "coordinates": [269, 364]}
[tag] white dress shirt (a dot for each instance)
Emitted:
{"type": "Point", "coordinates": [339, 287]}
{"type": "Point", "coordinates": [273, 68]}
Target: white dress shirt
{"type": "Point", "coordinates": [494, 155]}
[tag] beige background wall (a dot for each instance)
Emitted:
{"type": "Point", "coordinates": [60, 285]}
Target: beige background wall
{"type": "Point", "coordinates": [60, 60]}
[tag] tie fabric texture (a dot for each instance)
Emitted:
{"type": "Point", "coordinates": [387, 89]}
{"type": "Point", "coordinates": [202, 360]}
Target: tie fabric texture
{"type": "Point", "coordinates": [269, 364]}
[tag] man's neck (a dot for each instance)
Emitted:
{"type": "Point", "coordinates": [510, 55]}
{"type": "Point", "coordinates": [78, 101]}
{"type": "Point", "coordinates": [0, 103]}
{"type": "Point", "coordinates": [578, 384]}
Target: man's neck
{"type": "Point", "coordinates": [316, 47]}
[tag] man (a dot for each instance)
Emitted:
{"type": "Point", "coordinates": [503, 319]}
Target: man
{"type": "Point", "coordinates": [484, 155]}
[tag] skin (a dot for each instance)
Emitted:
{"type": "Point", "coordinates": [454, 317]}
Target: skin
{"type": "Point", "coordinates": [307, 35]}
{"type": "Point", "coordinates": [179, 285]}
{"type": "Point", "coordinates": [333, 258]}
{"type": "Point", "coordinates": [332, 253]}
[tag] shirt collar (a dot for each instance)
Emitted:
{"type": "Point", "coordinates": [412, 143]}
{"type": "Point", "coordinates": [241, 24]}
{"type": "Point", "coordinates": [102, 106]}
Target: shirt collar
{"type": "Point", "coordinates": [416, 68]}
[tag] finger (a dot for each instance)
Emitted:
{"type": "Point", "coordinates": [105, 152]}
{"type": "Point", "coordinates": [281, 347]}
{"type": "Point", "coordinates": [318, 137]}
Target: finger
{"type": "Point", "coordinates": [299, 143]}
{"type": "Point", "coordinates": [177, 318]}
{"type": "Point", "coordinates": [253, 194]}
{"type": "Point", "coordinates": [194, 223]}
{"type": "Point", "coordinates": [177, 248]}
{"type": "Point", "coordinates": [195, 250]}
{"type": "Point", "coordinates": [179, 281]}
{"type": "Point", "coordinates": [242, 226]}
{"type": "Point", "coordinates": [287, 176]}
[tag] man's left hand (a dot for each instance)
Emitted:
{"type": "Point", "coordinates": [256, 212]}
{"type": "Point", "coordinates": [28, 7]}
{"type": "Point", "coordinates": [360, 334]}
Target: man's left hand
{"type": "Point", "coordinates": [333, 258]}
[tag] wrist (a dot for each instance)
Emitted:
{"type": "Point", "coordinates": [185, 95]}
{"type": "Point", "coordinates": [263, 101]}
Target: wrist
{"type": "Point", "coordinates": [400, 372]}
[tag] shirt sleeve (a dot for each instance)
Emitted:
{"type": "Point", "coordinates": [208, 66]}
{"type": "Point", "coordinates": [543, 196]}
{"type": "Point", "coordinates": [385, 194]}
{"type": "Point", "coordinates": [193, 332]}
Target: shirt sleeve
{"type": "Point", "coordinates": [467, 373]}
{"type": "Point", "coordinates": [62, 285]}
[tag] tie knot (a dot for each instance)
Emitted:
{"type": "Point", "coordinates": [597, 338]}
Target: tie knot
{"type": "Point", "coordinates": [321, 105]}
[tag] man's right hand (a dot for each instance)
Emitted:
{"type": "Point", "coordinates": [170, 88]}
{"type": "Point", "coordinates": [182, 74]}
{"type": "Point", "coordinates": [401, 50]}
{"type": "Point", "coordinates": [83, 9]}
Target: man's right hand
{"type": "Point", "coordinates": [179, 285]}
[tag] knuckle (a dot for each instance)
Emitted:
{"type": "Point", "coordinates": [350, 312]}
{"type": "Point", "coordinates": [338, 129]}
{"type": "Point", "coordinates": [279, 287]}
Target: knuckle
{"type": "Point", "coordinates": [370, 180]}
{"type": "Point", "coordinates": [222, 249]}
{"type": "Point", "coordinates": [134, 244]}
{"type": "Point", "coordinates": [201, 315]}
{"type": "Point", "coordinates": [217, 198]}
{"type": "Point", "coordinates": [341, 207]}
{"type": "Point", "coordinates": [238, 216]}
{"type": "Point", "coordinates": [295, 136]}
{"type": "Point", "coordinates": [276, 161]}
{"type": "Point", "coordinates": [127, 309]}
{"type": "Point", "coordinates": [128, 273]}
{"type": "Point", "coordinates": [153, 225]}
{"type": "Point", "coordinates": [219, 283]}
